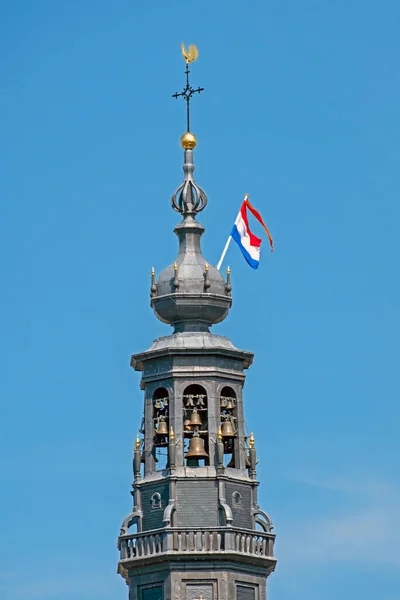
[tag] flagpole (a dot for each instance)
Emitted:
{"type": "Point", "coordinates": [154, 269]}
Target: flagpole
{"type": "Point", "coordinates": [224, 251]}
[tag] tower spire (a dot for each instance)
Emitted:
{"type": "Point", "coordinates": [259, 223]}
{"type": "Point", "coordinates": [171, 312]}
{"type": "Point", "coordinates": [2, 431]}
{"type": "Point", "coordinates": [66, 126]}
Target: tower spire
{"type": "Point", "coordinates": [188, 199]}
{"type": "Point", "coordinates": [190, 55]}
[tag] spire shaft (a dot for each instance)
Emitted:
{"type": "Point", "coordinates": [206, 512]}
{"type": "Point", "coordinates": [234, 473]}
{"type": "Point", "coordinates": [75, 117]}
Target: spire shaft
{"type": "Point", "coordinates": [187, 93]}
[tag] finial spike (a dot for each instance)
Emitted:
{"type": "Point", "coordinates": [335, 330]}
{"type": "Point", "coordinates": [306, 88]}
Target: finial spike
{"type": "Point", "coordinates": [207, 282]}
{"type": "Point", "coordinates": [153, 287]}
{"type": "Point", "coordinates": [176, 278]}
{"type": "Point", "coordinates": [251, 442]}
{"type": "Point", "coordinates": [137, 443]}
{"type": "Point", "coordinates": [171, 434]}
{"type": "Point", "coordinates": [228, 285]}
{"type": "Point", "coordinates": [190, 55]}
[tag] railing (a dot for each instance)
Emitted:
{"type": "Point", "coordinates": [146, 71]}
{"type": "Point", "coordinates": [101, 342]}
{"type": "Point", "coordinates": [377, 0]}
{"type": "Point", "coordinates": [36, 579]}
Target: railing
{"type": "Point", "coordinates": [136, 546]}
{"type": "Point", "coordinates": [149, 543]}
{"type": "Point", "coordinates": [254, 543]}
{"type": "Point", "coordinates": [198, 541]}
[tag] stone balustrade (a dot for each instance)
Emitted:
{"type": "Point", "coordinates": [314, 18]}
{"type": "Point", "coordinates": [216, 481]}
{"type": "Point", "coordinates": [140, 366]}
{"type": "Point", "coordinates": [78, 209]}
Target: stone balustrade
{"type": "Point", "coordinates": [199, 540]}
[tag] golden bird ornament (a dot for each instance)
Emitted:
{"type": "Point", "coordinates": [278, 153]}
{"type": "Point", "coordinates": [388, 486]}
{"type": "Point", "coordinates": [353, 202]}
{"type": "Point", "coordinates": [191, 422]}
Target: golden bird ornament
{"type": "Point", "coordinates": [191, 54]}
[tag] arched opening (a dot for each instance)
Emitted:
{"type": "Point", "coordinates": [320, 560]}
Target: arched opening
{"type": "Point", "coordinates": [133, 527]}
{"type": "Point", "coordinates": [263, 521]}
{"type": "Point", "coordinates": [161, 427]}
{"type": "Point", "coordinates": [237, 500]}
{"type": "Point", "coordinates": [195, 426]}
{"type": "Point", "coordinates": [156, 503]}
{"type": "Point", "coordinates": [228, 403]}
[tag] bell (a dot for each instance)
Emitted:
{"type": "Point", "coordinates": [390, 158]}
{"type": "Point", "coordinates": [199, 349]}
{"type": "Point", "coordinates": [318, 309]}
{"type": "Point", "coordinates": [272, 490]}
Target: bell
{"type": "Point", "coordinates": [187, 425]}
{"type": "Point", "coordinates": [158, 404]}
{"type": "Point", "coordinates": [200, 400]}
{"type": "Point", "coordinates": [162, 428]}
{"type": "Point", "coordinates": [196, 448]}
{"type": "Point", "coordinates": [189, 402]}
{"type": "Point", "coordinates": [227, 429]}
{"type": "Point", "coordinates": [229, 404]}
{"type": "Point", "coordinates": [195, 419]}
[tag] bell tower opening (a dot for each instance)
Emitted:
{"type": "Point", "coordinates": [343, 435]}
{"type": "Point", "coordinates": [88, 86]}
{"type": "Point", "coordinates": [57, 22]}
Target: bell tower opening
{"type": "Point", "coordinates": [228, 418]}
{"type": "Point", "coordinates": [195, 426]}
{"type": "Point", "coordinates": [161, 427]}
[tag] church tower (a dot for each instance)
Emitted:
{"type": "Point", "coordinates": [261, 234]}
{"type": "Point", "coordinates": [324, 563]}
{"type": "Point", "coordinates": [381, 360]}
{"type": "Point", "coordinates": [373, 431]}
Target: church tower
{"type": "Point", "coordinates": [196, 531]}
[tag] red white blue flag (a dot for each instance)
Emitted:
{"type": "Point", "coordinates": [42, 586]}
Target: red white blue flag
{"type": "Point", "coordinates": [249, 243]}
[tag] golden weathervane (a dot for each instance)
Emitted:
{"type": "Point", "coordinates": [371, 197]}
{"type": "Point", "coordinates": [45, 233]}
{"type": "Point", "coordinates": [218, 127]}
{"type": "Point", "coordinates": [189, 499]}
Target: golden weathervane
{"type": "Point", "coordinates": [190, 55]}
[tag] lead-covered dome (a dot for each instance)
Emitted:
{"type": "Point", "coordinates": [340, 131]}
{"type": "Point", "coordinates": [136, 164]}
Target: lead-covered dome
{"type": "Point", "coordinates": [190, 294]}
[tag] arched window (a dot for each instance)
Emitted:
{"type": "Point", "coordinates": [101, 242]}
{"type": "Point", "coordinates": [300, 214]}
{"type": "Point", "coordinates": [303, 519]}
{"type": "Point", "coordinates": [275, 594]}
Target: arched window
{"type": "Point", "coordinates": [161, 427]}
{"type": "Point", "coordinates": [195, 425]}
{"type": "Point", "coordinates": [156, 501]}
{"type": "Point", "coordinates": [228, 402]}
{"type": "Point", "coordinates": [237, 500]}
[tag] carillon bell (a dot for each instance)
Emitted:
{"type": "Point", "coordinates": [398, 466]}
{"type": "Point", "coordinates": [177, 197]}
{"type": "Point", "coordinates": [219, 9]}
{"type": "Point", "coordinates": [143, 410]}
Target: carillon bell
{"type": "Point", "coordinates": [189, 402]}
{"type": "Point", "coordinates": [162, 428]}
{"type": "Point", "coordinates": [230, 405]}
{"type": "Point", "coordinates": [158, 404]}
{"type": "Point", "coordinates": [196, 448]}
{"type": "Point", "coordinates": [195, 419]}
{"type": "Point", "coordinates": [227, 429]}
{"type": "Point", "coordinates": [200, 400]}
{"type": "Point", "coordinates": [187, 425]}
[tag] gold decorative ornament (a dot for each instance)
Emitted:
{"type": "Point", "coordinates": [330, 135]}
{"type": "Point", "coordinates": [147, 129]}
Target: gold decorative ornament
{"type": "Point", "coordinates": [191, 54]}
{"type": "Point", "coordinates": [137, 443]}
{"type": "Point", "coordinates": [188, 141]}
{"type": "Point", "coordinates": [251, 441]}
{"type": "Point", "coordinates": [171, 434]}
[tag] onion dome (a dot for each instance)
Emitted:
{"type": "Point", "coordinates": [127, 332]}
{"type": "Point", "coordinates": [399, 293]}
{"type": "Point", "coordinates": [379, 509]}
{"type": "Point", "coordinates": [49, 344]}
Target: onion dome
{"type": "Point", "coordinates": [190, 294]}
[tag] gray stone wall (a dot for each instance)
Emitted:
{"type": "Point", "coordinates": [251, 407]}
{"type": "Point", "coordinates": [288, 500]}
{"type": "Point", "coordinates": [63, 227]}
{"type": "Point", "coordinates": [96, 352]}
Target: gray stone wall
{"type": "Point", "coordinates": [195, 590]}
{"type": "Point", "coordinates": [153, 517]}
{"type": "Point", "coordinates": [197, 503]}
{"type": "Point", "coordinates": [245, 592]}
{"type": "Point", "coordinates": [241, 514]}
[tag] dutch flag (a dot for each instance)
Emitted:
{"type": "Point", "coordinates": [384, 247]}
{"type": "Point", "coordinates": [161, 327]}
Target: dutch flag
{"type": "Point", "coordinates": [248, 243]}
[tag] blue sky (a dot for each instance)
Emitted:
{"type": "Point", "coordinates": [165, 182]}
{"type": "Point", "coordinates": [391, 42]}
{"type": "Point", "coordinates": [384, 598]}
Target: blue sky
{"type": "Point", "coordinates": [301, 110]}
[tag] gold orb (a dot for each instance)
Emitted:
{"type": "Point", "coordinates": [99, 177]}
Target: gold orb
{"type": "Point", "coordinates": [188, 141]}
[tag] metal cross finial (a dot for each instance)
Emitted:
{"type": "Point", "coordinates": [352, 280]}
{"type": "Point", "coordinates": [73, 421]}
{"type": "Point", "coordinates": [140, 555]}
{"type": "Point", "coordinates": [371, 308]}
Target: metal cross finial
{"type": "Point", "coordinates": [187, 92]}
